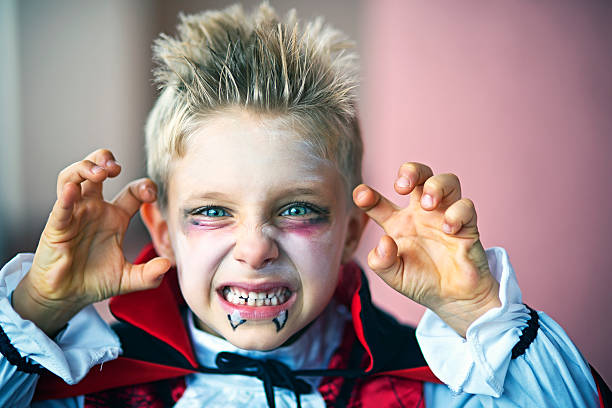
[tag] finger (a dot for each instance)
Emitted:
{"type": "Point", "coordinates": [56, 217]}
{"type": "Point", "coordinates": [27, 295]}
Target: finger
{"type": "Point", "coordinates": [442, 189]}
{"type": "Point", "coordinates": [375, 205]}
{"type": "Point", "coordinates": [61, 214]}
{"type": "Point", "coordinates": [462, 214]}
{"type": "Point", "coordinates": [144, 276]}
{"type": "Point", "coordinates": [79, 172]}
{"type": "Point", "coordinates": [134, 194]}
{"type": "Point", "coordinates": [105, 159]}
{"type": "Point", "coordinates": [384, 260]}
{"type": "Point", "coordinates": [410, 175]}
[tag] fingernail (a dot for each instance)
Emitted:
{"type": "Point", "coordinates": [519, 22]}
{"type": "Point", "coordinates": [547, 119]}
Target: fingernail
{"type": "Point", "coordinates": [447, 228]}
{"type": "Point", "coordinates": [151, 191]}
{"type": "Point", "coordinates": [380, 251]}
{"type": "Point", "coordinates": [96, 169]}
{"type": "Point", "coordinates": [426, 201]}
{"type": "Point", "coordinates": [361, 195]}
{"type": "Point", "coordinates": [111, 163]}
{"type": "Point", "coordinates": [403, 182]}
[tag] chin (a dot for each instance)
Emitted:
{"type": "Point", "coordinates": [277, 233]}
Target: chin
{"type": "Point", "coordinates": [257, 336]}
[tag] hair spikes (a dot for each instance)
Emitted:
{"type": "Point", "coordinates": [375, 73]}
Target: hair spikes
{"type": "Point", "coordinates": [227, 58]}
{"type": "Point", "coordinates": [283, 59]}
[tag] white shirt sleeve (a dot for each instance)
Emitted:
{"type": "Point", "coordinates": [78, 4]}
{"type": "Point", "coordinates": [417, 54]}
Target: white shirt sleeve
{"type": "Point", "coordinates": [478, 370]}
{"type": "Point", "coordinates": [86, 341]}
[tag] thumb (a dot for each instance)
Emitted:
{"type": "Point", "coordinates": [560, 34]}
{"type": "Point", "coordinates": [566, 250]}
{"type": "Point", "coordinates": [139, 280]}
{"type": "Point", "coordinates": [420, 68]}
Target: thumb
{"type": "Point", "coordinates": [384, 261]}
{"type": "Point", "coordinates": [144, 276]}
{"type": "Point", "coordinates": [134, 194]}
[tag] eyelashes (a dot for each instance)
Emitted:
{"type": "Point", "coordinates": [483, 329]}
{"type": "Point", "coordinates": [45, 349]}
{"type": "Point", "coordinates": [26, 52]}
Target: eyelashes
{"type": "Point", "coordinates": [304, 210]}
{"type": "Point", "coordinates": [210, 211]}
{"type": "Point", "coordinates": [299, 210]}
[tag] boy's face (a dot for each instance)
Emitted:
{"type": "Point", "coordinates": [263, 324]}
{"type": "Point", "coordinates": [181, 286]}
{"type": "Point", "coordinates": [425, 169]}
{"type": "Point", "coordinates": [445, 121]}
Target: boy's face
{"type": "Point", "coordinates": [257, 227]}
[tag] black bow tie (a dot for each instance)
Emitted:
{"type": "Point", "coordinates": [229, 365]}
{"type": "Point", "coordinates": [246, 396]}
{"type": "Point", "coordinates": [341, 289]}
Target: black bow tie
{"type": "Point", "coordinates": [272, 373]}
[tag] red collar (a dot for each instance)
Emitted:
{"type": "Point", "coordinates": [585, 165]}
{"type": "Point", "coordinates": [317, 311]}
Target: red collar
{"type": "Point", "coordinates": [157, 311]}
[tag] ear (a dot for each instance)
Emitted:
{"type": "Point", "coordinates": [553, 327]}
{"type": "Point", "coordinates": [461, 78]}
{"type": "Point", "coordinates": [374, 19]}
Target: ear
{"type": "Point", "coordinates": [158, 229]}
{"type": "Point", "coordinates": [356, 224]}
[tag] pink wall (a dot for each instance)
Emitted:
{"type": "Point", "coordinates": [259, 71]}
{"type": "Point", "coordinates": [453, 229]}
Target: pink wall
{"type": "Point", "coordinates": [516, 99]}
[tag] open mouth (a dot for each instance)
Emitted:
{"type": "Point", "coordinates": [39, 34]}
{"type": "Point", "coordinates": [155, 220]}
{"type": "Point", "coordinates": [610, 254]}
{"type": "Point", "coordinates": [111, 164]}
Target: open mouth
{"type": "Point", "coordinates": [271, 297]}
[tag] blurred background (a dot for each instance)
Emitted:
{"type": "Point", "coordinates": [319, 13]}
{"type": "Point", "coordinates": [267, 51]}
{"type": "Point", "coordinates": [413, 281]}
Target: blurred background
{"type": "Point", "coordinates": [513, 97]}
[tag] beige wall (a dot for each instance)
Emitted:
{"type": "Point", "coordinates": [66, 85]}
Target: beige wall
{"type": "Point", "coordinates": [10, 121]}
{"type": "Point", "coordinates": [83, 83]}
{"type": "Point", "coordinates": [79, 77]}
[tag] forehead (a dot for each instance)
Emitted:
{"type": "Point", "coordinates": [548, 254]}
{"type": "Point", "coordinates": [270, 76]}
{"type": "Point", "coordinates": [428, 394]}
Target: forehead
{"type": "Point", "coordinates": [249, 153]}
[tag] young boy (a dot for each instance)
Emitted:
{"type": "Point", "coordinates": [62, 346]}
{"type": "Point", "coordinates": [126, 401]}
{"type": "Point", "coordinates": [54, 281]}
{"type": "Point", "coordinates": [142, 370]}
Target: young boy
{"type": "Point", "coordinates": [255, 208]}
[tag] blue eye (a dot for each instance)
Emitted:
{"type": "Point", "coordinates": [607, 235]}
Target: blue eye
{"type": "Point", "coordinates": [297, 211]}
{"type": "Point", "coordinates": [212, 212]}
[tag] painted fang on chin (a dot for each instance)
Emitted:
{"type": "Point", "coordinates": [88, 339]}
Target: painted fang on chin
{"type": "Point", "coordinates": [280, 320]}
{"type": "Point", "coordinates": [235, 319]}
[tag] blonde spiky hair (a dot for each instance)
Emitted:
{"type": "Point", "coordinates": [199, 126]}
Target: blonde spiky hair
{"type": "Point", "coordinates": [227, 59]}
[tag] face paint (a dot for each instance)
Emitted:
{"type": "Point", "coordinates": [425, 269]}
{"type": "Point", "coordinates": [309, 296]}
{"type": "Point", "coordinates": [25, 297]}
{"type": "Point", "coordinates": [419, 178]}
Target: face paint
{"type": "Point", "coordinates": [255, 213]}
{"type": "Point", "coordinates": [280, 320]}
{"type": "Point", "coordinates": [235, 319]}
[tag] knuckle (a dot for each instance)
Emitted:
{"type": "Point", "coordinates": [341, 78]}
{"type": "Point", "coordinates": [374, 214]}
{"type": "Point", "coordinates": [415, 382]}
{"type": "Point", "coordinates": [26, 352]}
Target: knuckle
{"type": "Point", "coordinates": [409, 165]}
{"type": "Point", "coordinates": [102, 153]}
{"type": "Point", "coordinates": [452, 214]}
{"type": "Point", "coordinates": [468, 203]}
{"type": "Point", "coordinates": [143, 184]}
{"type": "Point", "coordinates": [134, 188]}
{"type": "Point", "coordinates": [67, 171]}
{"type": "Point", "coordinates": [433, 184]}
{"type": "Point", "coordinates": [452, 178]}
{"type": "Point", "coordinates": [425, 170]}
{"type": "Point", "coordinates": [62, 174]}
{"type": "Point", "coordinates": [420, 170]}
{"type": "Point", "coordinates": [143, 181]}
{"type": "Point", "coordinates": [410, 168]}
{"type": "Point", "coordinates": [449, 180]}
{"type": "Point", "coordinates": [86, 164]}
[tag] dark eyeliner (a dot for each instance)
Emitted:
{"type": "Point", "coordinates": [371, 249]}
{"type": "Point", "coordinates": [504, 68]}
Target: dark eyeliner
{"type": "Point", "coordinates": [320, 212]}
{"type": "Point", "coordinates": [200, 210]}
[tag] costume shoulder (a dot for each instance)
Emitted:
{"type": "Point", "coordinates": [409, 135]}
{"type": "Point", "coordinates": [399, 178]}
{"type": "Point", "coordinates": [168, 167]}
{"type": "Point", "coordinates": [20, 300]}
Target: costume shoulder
{"type": "Point", "coordinates": [156, 345]}
{"type": "Point", "coordinates": [153, 338]}
{"type": "Point", "coordinates": [392, 347]}
{"type": "Point", "coordinates": [145, 359]}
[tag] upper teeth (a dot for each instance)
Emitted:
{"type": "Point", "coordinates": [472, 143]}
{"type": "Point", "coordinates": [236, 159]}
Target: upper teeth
{"type": "Point", "coordinates": [240, 296]}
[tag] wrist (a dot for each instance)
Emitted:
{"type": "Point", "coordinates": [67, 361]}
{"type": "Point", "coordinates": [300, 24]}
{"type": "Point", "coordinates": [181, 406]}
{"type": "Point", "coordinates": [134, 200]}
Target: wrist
{"type": "Point", "coordinates": [460, 314]}
{"type": "Point", "coordinates": [48, 315]}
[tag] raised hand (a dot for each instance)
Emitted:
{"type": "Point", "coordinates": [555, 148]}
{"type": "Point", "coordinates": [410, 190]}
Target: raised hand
{"type": "Point", "coordinates": [431, 252]}
{"type": "Point", "coordinates": [79, 259]}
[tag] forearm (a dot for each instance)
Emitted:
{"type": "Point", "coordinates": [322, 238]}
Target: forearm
{"type": "Point", "coordinates": [49, 316]}
{"type": "Point", "coordinates": [85, 342]}
{"type": "Point", "coordinates": [460, 315]}
{"type": "Point", "coordinates": [549, 371]}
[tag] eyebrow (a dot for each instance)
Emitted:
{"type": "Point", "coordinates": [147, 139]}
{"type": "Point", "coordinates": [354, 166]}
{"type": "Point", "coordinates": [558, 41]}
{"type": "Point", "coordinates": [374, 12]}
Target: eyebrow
{"type": "Point", "coordinates": [290, 191]}
{"type": "Point", "coordinates": [299, 191]}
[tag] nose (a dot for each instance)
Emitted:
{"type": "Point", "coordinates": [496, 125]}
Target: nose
{"type": "Point", "coordinates": [254, 248]}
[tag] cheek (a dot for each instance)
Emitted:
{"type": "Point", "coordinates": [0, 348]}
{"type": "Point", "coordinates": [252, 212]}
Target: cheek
{"type": "Point", "coordinates": [316, 252]}
{"type": "Point", "coordinates": [308, 229]}
{"type": "Point", "coordinates": [198, 253]}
